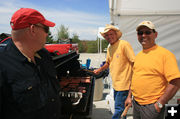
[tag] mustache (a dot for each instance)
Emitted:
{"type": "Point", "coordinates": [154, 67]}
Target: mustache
{"type": "Point", "coordinates": [141, 39]}
{"type": "Point", "coordinates": [108, 39]}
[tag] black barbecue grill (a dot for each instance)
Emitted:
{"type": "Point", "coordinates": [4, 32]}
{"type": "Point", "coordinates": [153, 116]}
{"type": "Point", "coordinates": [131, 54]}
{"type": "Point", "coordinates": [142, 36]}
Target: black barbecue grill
{"type": "Point", "coordinates": [77, 86]}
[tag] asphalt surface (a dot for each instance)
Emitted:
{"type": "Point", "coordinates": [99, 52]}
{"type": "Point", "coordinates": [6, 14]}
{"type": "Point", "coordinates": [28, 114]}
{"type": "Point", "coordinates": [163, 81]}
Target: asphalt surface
{"type": "Point", "coordinates": [96, 59]}
{"type": "Point", "coordinates": [101, 108]}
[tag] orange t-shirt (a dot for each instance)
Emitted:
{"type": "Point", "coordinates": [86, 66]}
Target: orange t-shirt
{"type": "Point", "coordinates": [153, 69]}
{"type": "Point", "coordinates": [119, 57]}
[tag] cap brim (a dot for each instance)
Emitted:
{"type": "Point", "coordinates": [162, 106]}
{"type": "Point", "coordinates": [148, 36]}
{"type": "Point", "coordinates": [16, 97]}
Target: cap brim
{"type": "Point", "coordinates": [138, 28]}
{"type": "Point", "coordinates": [142, 26]}
{"type": "Point", "coordinates": [48, 23]}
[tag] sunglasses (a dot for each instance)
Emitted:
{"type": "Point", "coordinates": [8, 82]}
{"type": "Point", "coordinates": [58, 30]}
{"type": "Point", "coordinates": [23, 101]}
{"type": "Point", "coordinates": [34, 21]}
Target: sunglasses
{"type": "Point", "coordinates": [46, 28]}
{"type": "Point", "coordinates": [144, 32]}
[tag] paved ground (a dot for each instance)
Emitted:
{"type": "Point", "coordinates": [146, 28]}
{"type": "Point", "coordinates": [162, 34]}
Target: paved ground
{"type": "Point", "coordinates": [101, 110]}
{"type": "Point", "coordinates": [96, 59]}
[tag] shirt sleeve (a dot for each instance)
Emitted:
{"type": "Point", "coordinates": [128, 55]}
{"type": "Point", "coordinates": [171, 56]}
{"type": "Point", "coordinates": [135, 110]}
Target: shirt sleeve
{"type": "Point", "coordinates": [171, 70]}
{"type": "Point", "coordinates": [129, 52]}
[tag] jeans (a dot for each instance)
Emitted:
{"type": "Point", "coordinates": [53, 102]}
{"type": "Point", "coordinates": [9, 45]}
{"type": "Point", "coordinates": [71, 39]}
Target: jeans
{"type": "Point", "coordinates": [119, 98]}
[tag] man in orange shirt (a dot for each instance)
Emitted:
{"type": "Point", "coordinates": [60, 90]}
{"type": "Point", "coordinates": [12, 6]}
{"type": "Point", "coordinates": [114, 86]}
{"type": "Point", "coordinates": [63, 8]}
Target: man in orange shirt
{"type": "Point", "coordinates": [154, 72]}
{"type": "Point", "coordinates": [119, 60]}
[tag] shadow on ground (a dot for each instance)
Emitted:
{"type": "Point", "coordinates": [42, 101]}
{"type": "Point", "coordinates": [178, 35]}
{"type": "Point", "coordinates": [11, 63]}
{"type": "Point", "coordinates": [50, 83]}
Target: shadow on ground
{"type": "Point", "coordinates": [101, 113]}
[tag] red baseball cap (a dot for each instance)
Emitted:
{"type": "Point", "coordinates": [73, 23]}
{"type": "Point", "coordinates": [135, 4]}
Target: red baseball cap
{"type": "Point", "coordinates": [24, 17]}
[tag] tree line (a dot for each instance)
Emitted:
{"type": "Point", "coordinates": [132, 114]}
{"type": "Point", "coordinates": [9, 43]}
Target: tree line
{"type": "Point", "coordinates": [85, 46]}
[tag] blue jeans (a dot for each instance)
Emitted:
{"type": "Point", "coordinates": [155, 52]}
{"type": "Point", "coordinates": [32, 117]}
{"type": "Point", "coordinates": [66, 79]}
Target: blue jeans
{"type": "Point", "coordinates": [119, 98]}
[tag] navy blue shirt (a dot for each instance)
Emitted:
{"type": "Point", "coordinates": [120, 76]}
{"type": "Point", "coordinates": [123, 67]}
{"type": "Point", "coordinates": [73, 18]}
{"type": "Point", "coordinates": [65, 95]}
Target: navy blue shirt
{"type": "Point", "coordinates": [28, 90]}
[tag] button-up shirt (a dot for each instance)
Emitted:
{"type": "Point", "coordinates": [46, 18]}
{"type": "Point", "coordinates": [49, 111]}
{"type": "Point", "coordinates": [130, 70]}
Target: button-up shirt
{"type": "Point", "coordinates": [28, 90]}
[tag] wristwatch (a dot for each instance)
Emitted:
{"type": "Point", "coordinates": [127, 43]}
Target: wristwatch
{"type": "Point", "coordinates": [159, 105]}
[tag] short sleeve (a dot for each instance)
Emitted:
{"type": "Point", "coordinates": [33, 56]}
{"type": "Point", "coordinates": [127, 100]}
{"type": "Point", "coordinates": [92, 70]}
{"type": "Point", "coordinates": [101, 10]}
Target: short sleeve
{"type": "Point", "coordinates": [171, 70]}
{"type": "Point", "coordinates": [107, 57]}
{"type": "Point", "coordinates": [128, 50]}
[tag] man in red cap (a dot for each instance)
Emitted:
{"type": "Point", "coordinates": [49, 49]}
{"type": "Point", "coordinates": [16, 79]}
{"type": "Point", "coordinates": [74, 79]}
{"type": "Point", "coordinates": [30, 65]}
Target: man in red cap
{"type": "Point", "coordinates": [28, 84]}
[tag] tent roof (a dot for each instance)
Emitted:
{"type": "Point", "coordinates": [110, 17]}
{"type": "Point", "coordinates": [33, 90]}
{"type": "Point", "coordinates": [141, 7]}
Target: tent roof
{"type": "Point", "coordinates": [133, 7]}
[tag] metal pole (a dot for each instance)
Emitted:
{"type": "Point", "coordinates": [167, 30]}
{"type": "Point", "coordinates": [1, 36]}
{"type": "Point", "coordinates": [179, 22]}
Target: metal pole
{"type": "Point", "coordinates": [98, 45]}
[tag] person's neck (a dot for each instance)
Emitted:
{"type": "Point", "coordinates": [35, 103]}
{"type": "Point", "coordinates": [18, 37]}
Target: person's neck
{"type": "Point", "coordinates": [114, 42]}
{"type": "Point", "coordinates": [145, 48]}
{"type": "Point", "coordinates": [26, 50]}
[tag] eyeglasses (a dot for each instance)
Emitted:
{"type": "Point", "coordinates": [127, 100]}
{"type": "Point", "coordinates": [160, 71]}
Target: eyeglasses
{"type": "Point", "coordinates": [46, 28]}
{"type": "Point", "coordinates": [140, 33]}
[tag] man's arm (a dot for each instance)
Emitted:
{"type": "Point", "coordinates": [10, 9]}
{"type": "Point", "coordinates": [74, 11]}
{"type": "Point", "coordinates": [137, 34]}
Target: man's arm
{"type": "Point", "coordinates": [176, 82]}
{"type": "Point", "coordinates": [171, 90]}
{"type": "Point", "coordinates": [105, 66]}
{"type": "Point", "coordinates": [129, 97]}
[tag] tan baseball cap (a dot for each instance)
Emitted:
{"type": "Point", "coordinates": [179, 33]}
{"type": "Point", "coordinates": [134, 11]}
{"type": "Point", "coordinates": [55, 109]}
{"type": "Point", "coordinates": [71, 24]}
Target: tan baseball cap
{"type": "Point", "coordinates": [148, 24]}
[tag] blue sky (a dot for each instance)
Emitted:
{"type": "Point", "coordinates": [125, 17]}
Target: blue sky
{"type": "Point", "coordinates": [82, 17]}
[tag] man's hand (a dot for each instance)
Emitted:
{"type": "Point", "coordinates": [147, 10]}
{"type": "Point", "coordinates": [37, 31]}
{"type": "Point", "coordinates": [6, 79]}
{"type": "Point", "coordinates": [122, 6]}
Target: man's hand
{"type": "Point", "coordinates": [128, 101]}
{"type": "Point", "coordinates": [157, 108]}
{"type": "Point", "coordinates": [96, 71]}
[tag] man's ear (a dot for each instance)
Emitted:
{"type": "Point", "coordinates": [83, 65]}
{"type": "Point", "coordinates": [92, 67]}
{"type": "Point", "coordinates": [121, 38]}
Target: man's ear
{"type": "Point", "coordinates": [32, 29]}
{"type": "Point", "coordinates": [156, 34]}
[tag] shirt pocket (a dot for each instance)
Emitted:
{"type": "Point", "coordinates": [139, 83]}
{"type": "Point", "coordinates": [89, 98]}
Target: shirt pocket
{"type": "Point", "coordinates": [28, 95]}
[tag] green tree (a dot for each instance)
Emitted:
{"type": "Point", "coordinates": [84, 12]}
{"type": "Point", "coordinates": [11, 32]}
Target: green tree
{"type": "Point", "coordinates": [82, 45]}
{"type": "Point", "coordinates": [104, 44]}
{"type": "Point", "coordinates": [75, 38]}
{"type": "Point", "coordinates": [92, 47]}
{"type": "Point", "coordinates": [49, 38]}
{"type": "Point", "coordinates": [62, 33]}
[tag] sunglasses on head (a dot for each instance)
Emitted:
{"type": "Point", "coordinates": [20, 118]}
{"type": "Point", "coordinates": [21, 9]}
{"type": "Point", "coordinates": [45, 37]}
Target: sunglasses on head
{"type": "Point", "coordinates": [144, 32]}
{"type": "Point", "coordinates": [46, 28]}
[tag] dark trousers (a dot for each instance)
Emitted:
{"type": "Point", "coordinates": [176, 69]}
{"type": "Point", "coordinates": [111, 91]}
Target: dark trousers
{"type": "Point", "coordinates": [146, 111]}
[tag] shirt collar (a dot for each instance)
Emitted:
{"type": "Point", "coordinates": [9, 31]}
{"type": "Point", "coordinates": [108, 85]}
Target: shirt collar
{"type": "Point", "coordinates": [15, 51]}
{"type": "Point", "coordinates": [29, 59]}
{"type": "Point", "coordinates": [149, 49]}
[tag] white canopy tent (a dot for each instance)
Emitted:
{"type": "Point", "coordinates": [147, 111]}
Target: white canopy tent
{"type": "Point", "coordinates": [165, 14]}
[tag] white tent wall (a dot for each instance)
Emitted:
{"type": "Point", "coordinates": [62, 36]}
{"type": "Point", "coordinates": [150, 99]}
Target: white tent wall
{"type": "Point", "coordinates": [168, 28]}
{"type": "Point", "coordinates": [132, 7]}
{"type": "Point", "coordinates": [165, 14]}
